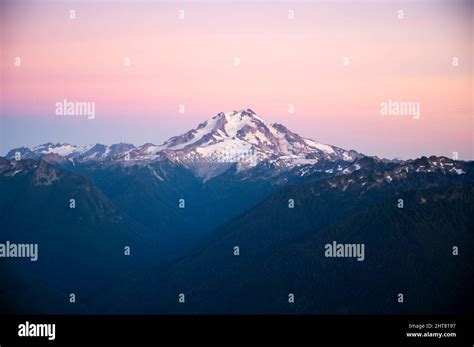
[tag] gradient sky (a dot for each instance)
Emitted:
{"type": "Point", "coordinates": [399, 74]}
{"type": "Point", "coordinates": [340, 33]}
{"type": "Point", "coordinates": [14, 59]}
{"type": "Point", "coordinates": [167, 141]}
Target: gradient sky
{"type": "Point", "coordinates": [190, 61]}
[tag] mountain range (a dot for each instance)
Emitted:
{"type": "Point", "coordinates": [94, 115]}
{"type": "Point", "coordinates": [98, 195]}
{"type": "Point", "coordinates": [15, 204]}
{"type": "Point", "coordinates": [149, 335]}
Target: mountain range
{"type": "Point", "coordinates": [239, 137]}
{"type": "Point", "coordinates": [234, 180]}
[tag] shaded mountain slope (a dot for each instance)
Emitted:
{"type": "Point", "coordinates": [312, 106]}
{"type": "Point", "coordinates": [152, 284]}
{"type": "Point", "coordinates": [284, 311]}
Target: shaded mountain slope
{"type": "Point", "coordinates": [78, 248]}
{"type": "Point", "coordinates": [408, 251]}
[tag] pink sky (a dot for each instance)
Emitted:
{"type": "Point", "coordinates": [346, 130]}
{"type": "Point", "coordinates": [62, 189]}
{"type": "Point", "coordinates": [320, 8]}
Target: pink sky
{"type": "Point", "coordinates": [190, 61]}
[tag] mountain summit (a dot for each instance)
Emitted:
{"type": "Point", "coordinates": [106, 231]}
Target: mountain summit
{"type": "Point", "coordinates": [243, 137]}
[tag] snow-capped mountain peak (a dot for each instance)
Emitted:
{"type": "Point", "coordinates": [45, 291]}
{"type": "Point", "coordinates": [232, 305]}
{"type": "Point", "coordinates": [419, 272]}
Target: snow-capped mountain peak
{"type": "Point", "coordinates": [243, 136]}
{"type": "Point", "coordinates": [219, 127]}
{"type": "Point", "coordinates": [62, 149]}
